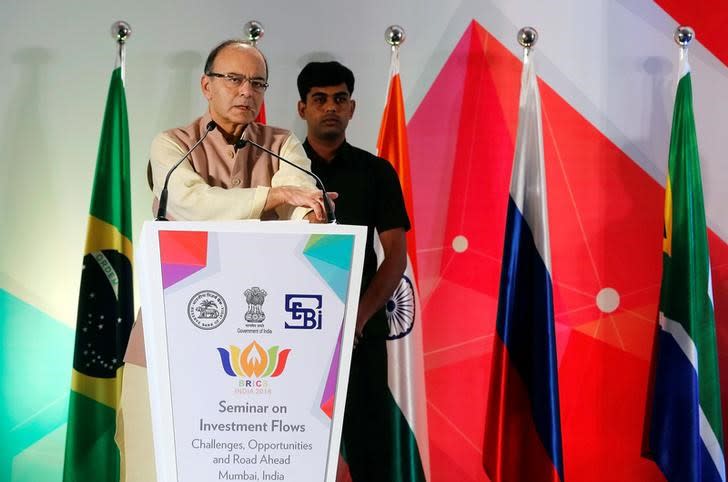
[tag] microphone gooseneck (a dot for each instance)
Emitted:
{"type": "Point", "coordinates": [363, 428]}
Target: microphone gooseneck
{"type": "Point", "coordinates": [162, 209]}
{"type": "Point", "coordinates": [327, 202]}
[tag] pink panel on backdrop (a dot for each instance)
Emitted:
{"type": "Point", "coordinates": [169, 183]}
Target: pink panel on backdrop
{"type": "Point", "coordinates": [606, 232]}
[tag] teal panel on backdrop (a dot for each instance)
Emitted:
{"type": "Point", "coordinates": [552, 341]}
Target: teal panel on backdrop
{"type": "Point", "coordinates": [42, 461]}
{"type": "Point", "coordinates": [35, 376]}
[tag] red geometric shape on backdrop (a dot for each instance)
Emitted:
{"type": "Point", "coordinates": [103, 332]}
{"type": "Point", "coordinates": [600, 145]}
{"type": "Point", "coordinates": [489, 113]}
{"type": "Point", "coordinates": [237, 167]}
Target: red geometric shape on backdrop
{"type": "Point", "coordinates": [605, 217]}
{"type": "Point", "coordinates": [707, 17]}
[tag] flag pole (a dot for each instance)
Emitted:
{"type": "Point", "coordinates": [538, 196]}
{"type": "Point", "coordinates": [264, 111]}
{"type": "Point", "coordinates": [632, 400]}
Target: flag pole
{"type": "Point", "coordinates": [407, 440]}
{"type": "Point", "coordinates": [523, 421]}
{"type": "Point", "coordinates": [106, 299]}
{"type": "Point", "coordinates": [684, 422]}
{"type": "Point", "coordinates": [253, 31]}
{"type": "Point", "coordinates": [527, 38]}
{"type": "Point", "coordinates": [121, 31]}
{"type": "Point", "coordinates": [394, 36]}
{"type": "Point", "coordinates": [683, 36]}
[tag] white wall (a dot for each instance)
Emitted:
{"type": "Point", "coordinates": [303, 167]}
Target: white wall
{"type": "Point", "coordinates": [57, 57]}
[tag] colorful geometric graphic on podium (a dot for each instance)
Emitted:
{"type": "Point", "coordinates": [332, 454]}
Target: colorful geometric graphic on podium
{"type": "Point", "coordinates": [330, 255]}
{"type": "Point", "coordinates": [183, 253]}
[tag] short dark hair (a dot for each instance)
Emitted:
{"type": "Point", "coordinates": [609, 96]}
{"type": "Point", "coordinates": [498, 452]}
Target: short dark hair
{"type": "Point", "coordinates": [233, 41]}
{"type": "Point", "coordinates": [324, 74]}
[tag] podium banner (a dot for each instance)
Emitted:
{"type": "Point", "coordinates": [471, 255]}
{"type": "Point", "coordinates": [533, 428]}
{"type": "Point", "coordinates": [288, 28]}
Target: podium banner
{"type": "Point", "coordinates": [248, 332]}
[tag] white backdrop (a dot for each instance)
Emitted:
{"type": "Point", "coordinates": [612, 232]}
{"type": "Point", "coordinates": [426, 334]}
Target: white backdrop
{"type": "Point", "coordinates": [57, 58]}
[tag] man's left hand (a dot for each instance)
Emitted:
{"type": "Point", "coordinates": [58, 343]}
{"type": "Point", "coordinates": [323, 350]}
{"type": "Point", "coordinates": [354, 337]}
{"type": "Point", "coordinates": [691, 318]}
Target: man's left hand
{"type": "Point", "coordinates": [359, 329]}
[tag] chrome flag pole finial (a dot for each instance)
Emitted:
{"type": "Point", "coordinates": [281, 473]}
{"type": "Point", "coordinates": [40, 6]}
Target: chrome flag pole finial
{"type": "Point", "coordinates": [684, 35]}
{"type": "Point", "coordinates": [253, 31]}
{"type": "Point", "coordinates": [527, 37]}
{"type": "Point", "coordinates": [394, 35]}
{"type": "Point", "coordinates": [120, 31]}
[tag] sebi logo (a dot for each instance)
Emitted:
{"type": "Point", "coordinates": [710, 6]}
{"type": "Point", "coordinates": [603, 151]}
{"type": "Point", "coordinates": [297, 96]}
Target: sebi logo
{"type": "Point", "coordinates": [305, 312]}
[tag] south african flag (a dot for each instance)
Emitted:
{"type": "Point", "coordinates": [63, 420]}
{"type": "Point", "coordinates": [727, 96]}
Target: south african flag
{"type": "Point", "coordinates": [684, 423]}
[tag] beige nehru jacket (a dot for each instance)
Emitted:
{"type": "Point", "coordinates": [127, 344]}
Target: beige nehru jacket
{"type": "Point", "coordinates": [222, 183]}
{"type": "Point", "coordinates": [218, 182]}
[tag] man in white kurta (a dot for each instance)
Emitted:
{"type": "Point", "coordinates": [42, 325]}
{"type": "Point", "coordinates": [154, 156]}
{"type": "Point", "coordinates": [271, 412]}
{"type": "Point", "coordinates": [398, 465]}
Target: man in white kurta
{"type": "Point", "coordinates": [218, 181]}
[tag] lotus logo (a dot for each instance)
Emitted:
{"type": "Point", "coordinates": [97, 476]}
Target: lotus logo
{"type": "Point", "coordinates": [253, 361]}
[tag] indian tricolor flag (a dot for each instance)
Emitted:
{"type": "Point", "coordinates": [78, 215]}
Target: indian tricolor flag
{"type": "Point", "coordinates": [105, 305]}
{"type": "Point", "coordinates": [260, 118]}
{"type": "Point", "coordinates": [409, 447]}
{"type": "Point", "coordinates": [684, 427]}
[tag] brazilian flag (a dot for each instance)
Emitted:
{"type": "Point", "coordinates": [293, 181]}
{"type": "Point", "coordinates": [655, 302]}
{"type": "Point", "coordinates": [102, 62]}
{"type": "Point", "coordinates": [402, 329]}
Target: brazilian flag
{"type": "Point", "coordinates": [105, 305]}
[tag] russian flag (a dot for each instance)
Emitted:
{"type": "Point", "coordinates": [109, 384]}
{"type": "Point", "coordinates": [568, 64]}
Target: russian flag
{"type": "Point", "coordinates": [523, 427]}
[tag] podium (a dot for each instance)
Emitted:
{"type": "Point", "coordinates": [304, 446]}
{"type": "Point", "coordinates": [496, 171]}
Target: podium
{"type": "Point", "coordinates": [248, 331]}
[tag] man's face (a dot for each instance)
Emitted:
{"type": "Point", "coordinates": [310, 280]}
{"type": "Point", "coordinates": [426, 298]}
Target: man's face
{"type": "Point", "coordinates": [327, 112]}
{"type": "Point", "coordinates": [234, 103]}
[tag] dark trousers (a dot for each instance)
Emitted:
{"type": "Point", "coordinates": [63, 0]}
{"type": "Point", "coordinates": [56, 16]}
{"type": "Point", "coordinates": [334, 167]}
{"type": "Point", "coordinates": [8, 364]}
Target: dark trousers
{"type": "Point", "coordinates": [367, 425]}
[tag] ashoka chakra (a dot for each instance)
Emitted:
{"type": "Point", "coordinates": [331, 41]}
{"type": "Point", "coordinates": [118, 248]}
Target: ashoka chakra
{"type": "Point", "coordinates": [401, 310]}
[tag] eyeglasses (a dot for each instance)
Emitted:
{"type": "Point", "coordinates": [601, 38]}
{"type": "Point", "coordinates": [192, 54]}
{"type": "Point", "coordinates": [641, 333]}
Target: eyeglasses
{"type": "Point", "coordinates": [234, 81]}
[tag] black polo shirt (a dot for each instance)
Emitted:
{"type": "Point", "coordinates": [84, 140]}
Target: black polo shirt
{"type": "Point", "coordinates": [369, 195]}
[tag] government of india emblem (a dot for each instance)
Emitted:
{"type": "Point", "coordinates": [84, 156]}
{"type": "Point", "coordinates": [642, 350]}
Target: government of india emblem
{"type": "Point", "coordinates": [255, 297]}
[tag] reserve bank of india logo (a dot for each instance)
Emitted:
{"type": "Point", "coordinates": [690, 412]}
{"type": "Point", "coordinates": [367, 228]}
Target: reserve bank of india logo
{"type": "Point", "coordinates": [207, 310]}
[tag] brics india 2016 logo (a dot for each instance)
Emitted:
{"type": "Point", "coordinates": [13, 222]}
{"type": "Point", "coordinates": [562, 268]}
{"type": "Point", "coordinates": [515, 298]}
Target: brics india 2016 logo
{"type": "Point", "coordinates": [254, 361]}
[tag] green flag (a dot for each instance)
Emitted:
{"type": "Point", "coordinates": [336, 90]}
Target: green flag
{"type": "Point", "coordinates": [105, 305]}
{"type": "Point", "coordinates": [685, 429]}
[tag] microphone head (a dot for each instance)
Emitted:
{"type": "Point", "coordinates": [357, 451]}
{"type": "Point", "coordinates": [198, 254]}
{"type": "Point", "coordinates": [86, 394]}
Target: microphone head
{"type": "Point", "coordinates": [241, 143]}
{"type": "Point", "coordinates": [210, 126]}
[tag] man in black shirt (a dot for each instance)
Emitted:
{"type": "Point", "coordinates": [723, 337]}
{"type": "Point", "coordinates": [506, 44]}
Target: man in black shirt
{"type": "Point", "coordinates": [369, 195]}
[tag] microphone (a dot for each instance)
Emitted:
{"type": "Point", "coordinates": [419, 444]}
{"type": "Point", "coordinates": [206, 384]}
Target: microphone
{"type": "Point", "coordinates": [162, 210]}
{"type": "Point", "coordinates": [327, 202]}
